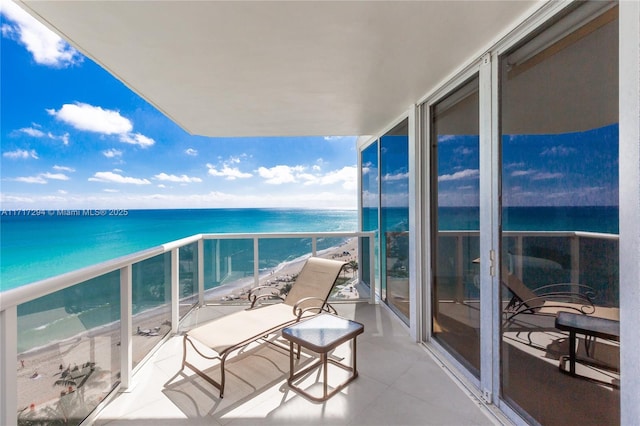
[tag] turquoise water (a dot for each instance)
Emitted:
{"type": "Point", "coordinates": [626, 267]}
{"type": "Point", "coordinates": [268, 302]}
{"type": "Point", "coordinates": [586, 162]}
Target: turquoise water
{"type": "Point", "coordinates": [34, 247]}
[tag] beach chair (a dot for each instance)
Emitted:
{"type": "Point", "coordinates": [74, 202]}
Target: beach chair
{"type": "Point", "coordinates": [308, 296]}
{"type": "Point", "coordinates": [551, 299]}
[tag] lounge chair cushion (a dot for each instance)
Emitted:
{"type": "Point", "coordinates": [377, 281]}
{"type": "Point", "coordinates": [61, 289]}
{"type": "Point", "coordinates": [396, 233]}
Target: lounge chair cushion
{"type": "Point", "coordinates": [230, 330]}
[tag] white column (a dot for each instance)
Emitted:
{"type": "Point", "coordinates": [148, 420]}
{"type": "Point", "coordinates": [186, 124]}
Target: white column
{"type": "Point", "coordinates": [629, 98]}
{"type": "Point", "coordinates": [200, 272]}
{"type": "Point", "coordinates": [175, 289]}
{"type": "Point", "coordinates": [8, 362]}
{"type": "Point", "coordinates": [415, 222]}
{"type": "Point", "coordinates": [126, 326]}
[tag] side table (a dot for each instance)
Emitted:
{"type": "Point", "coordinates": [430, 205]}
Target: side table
{"type": "Point", "coordinates": [321, 334]}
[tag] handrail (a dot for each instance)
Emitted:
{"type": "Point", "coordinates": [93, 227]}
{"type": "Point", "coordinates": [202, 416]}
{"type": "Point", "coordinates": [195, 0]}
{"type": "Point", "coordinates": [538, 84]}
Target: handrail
{"type": "Point", "coordinates": [28, 292]}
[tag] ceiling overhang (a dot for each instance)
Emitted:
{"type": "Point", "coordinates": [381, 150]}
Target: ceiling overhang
{"type": "Point", "coordinates": [280, 68]}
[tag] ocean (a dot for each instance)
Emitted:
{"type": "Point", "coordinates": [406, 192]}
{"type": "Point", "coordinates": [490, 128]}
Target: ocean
{"type": "Point", "coordinates": [35, 245]}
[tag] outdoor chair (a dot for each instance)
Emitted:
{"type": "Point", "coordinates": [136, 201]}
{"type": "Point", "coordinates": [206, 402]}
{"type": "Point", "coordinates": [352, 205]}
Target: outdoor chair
{"type": "Point", "coordinates": [550, 299]}
{"type": "Point", "coordinates": [308, 296]}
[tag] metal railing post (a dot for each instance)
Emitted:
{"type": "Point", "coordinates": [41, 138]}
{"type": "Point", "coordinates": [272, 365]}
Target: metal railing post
{"type": "Point", "coordinates": [256, 261]}
{"type": "Point", "coordinates": [575, 262]}
{"type": "Point", "coordinates": [126, 326]}
{"type": "Point", "coordinates": [201, 272]}
{"type": "Point", "coordinates": [8, 361]}
{"type": "Point", "coordinates": [175, 289]}
{"type": "Point", "coordinates": [372, 268]}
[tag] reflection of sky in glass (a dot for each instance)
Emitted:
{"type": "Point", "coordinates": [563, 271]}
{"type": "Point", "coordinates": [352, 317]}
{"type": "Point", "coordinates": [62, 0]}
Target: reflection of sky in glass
{"type": "Point", "coordinates": [571, 169]}
{"type": "Point", "coordinates": [369, 192]}
{"type": "Point", "coordinates": [458, 170]}
{"type": "Point", "coordinates": [394, 171]}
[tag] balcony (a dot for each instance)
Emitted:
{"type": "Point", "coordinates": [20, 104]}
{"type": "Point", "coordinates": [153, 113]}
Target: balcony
{"type": "Point", "coordinates": [102, 344]}
{"type": "Point", "coordinates": [399, 383]}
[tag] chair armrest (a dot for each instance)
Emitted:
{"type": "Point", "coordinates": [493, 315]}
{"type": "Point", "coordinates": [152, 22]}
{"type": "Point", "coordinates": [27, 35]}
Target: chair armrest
{"type": "Point", "coordinates": [259, 293]}
{"type": "Point", "coordinates": [580, 290]}
{"type": "Point", "coordinates": [299, 311]}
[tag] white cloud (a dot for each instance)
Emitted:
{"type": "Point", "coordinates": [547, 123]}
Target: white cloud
{"type": "Point", "coordinates": [462, 150]}
{"type": "Point", "coordinates": [42, 178]}
{"type": "Point", "coordinates": [21, 154]}
{"type": "Point", "coordinates": [174, 178]}
{"type": "Point", "coordinates": [346, 176]}
{"type": "Point", "coordinates": [229, 173]}
{"type": "Point", "coordinates": [46, 47]}
{"type": "Point", "coordinates": [397, 176]}
{"type": "Point", "coordinates": [192, 152]}
{"type": "Point", "coordinates": [31, 179]}
{"type": "Point", "coordinates": [111, 190]}
{"type": "Point", "coordinates": [517, 173]}
{"type": "Point", "coordinates": [547, 175]}
{"type": "Point", "coordinates": [36, 133]}
{"type": "Point", "coordinates": [111, 177]}
{"type": "Point", "coordinates": [558, 151]}
{"type": "Point", "coordinates": [112, 153]}
{"type": "Point", "coordinates": [95, 119]}
{"type": "Point", "coordinates": [55, 176]}
{"type": "Point", "coordinates": [278, 175]}
{"type": "Point", "coordinates": [92, 119]}
{"type": "Point", "coordinates": [464, 174]}
{"type": "Point", "coordinates": [137, 139]}
{"type": "Point", "coordinates": [63, 169]}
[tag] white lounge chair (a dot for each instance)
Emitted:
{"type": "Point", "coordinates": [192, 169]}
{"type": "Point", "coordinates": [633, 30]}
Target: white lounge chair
{"type": "Point", "coordinates": [308, 296]}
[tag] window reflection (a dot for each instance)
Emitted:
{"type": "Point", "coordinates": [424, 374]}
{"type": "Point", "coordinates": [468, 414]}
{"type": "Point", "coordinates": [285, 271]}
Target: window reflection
{"type": "Point", "coordinates": [560, 175]}
{"type": "Point", "coordinates": [456, 227]}
{"type": "Point", "coordinates": [394, 202]}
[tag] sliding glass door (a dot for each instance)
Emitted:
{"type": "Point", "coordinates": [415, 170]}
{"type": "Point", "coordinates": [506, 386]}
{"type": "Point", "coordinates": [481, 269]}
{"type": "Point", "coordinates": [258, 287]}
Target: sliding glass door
{"type": "Point", "coordinates": [559, 244]}
{"type": "Point", "coordinates": [455, 221]}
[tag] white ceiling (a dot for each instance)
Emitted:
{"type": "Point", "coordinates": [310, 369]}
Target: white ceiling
{"type": "Point", "coordinates": [280, 68]}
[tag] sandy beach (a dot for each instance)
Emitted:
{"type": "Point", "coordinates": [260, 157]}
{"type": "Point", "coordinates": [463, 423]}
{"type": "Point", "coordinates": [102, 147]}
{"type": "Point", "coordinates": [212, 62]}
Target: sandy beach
{"type": "Point", "coordinates": [68, 379]}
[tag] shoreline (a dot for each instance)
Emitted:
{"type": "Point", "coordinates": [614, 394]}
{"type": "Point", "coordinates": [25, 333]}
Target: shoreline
{"type": "Point", "coordinates": [40, 368]}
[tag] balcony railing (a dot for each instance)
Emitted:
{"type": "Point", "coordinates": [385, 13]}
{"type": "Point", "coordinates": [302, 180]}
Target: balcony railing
{"type": "Point", "coordinates": [69, 341]}
{"type": "Point", "coordinates": [539, 258]}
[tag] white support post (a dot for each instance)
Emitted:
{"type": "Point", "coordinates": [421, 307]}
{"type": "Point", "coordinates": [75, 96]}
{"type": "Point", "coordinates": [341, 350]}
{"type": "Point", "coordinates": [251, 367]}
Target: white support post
{"type": "Point", "coordinates": [574, 242]}
{"type": "Point", "coordinates": [372, 268]}
{"type": "Point", "coordinates": [314, 247]}
{"type": "Point", "coordinates": [8, 362]}
{"type": "Point", "coordinates": [201, 272]}
{"type": "Point", "coordinates": [175, 289]}
{"type": "Point", "coordinates": [126, 326]}
{"type": "Point", "coordinates": [629, 98]}
{"type": "Point", "coordinates": [256, 262]}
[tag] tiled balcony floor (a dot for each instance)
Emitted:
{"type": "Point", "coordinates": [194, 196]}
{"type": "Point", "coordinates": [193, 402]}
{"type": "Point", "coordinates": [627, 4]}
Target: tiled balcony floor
{"type": "Point", "coordinates": [399, 383]}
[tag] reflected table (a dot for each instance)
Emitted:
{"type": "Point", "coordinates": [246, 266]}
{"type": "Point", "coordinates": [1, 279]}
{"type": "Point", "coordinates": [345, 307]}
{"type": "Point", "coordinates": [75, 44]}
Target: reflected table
{"type": "Point", "coordinates": [322, 334]}
{"type": "Point", "coordinates": [590, 327]}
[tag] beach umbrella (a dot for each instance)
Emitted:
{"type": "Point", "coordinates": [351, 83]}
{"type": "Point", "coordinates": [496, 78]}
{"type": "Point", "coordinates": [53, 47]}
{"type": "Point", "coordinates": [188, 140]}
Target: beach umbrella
{"type": "Point", "coordinates": [65, 383]}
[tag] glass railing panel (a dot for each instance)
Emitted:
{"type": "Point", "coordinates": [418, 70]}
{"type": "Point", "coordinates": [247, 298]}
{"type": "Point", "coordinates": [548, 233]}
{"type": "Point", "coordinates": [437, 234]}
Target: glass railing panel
{"type": "Point", "coordinates": [397, 272]}
{"type": "Point", "coordinates": [68, 351]}
{"type": "Point", "coordinates": [188, 277]}
{"type": "Point", "coordinates": [151, 298]}
{"type": "Point", "coordinates": [599, 260]}
{"type": "Point", "coordinates": [228, 269]}
{"type": "Point", "coordinates": [281, 260]}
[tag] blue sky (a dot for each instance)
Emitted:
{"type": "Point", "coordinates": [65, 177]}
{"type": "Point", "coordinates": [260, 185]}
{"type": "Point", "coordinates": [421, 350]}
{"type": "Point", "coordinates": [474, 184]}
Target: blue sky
{"type": "Point", "coordinates": [73, 136]}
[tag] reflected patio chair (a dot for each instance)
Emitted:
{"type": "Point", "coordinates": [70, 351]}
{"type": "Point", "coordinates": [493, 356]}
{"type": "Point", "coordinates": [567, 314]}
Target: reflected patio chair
{"type": "Point", "coordinates": [550, 299]}
{"type": "Point", "coordinates": [307, 297]}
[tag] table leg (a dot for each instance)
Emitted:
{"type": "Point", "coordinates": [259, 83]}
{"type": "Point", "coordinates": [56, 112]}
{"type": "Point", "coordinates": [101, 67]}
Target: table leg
{"type": "Point", "coordinates": [291, 350]}
{"type": "Point", "coordinates": [324, 373]}
{"type": "Point", "coordinates": [572, 352]}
